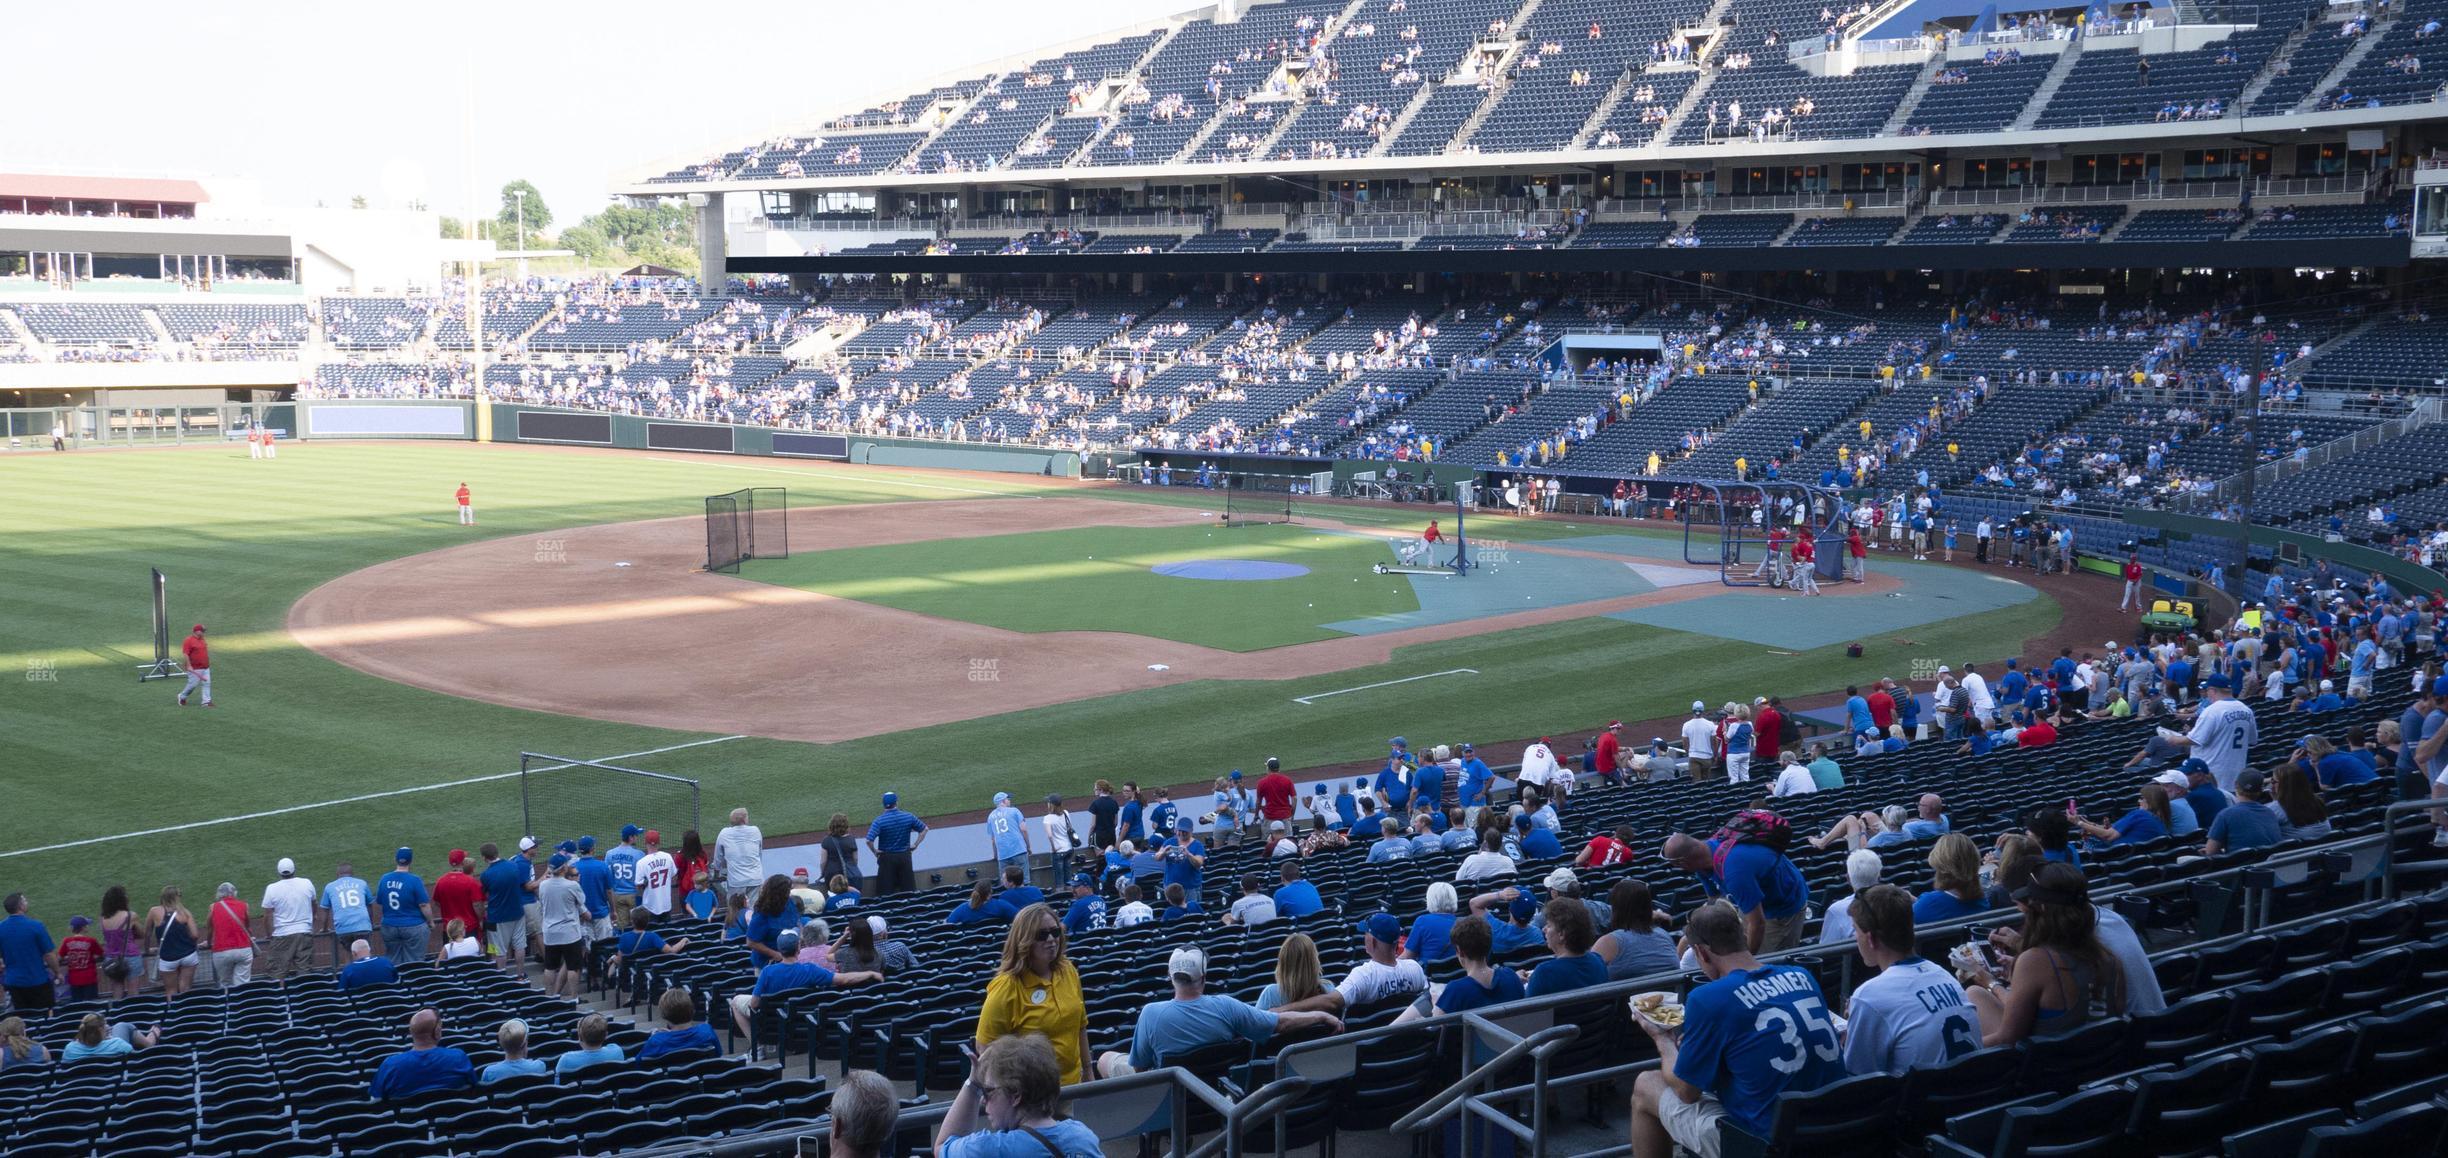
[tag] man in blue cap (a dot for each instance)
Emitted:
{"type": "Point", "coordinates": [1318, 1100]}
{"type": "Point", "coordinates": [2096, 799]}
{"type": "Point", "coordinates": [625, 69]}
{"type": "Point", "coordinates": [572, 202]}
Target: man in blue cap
{"type": "Point", "coordinates": [1386, 975]}
{"type": "Point", "coordinates": [891, 838]}
{"type": "Point", "coordinates": [622, 860]}
{"type": "Point", "coordinates": [595, 882]}
{"type": "Point", "coordinates": [1476, 776]}
{"type": "Point", "coordinates": [1087, 909]}
{"type": "Point", "coordinates": [1185, 860]}
{"type": "Point", "coordinates": [407, 910]}
{"type": "Point", "coordinates": [1009, 830]}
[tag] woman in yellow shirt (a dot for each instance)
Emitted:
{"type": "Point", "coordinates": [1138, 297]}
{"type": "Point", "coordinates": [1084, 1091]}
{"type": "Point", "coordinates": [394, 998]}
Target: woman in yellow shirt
{"type": "Point", "coordinates": [1037, 990]}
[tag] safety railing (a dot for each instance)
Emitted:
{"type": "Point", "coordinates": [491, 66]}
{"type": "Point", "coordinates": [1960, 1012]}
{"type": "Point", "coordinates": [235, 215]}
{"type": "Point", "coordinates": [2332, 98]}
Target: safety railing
{"type": "Point", "coordinates": [1152, 1103]}
{"type": "Point", "coordinates": [2425, 412]}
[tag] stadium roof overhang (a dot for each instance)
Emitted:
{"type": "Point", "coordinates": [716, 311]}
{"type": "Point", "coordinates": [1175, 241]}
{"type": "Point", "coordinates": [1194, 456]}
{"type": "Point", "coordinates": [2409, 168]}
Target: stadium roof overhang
{"type": "Point", "coordinates": [2330, 253]}
{"type": "Point", "coordinates": [1423, 168]}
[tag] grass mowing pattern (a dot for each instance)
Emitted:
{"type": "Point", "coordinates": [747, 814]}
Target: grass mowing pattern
{"type": "Point", "coordinates": [1098, 579]}
{"type": "Point", "coordinates": [92, 753]}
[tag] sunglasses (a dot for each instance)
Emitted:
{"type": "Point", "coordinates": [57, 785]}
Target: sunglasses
{"type": "Point", "coordinates": [1050, 933]}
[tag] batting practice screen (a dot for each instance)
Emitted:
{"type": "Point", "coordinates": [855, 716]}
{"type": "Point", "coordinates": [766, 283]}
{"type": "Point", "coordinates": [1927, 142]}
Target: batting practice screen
{"type": "Point", "coordinates": [1253, 499]}
{"type": "Point", "coordinates": [747, 524]}
{"type": "Point", "coordinates": [564, 799]}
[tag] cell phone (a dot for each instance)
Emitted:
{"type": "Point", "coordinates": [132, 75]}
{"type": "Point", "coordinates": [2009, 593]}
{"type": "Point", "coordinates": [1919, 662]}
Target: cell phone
{"type": "Point", "coordinates": [2072, 809]}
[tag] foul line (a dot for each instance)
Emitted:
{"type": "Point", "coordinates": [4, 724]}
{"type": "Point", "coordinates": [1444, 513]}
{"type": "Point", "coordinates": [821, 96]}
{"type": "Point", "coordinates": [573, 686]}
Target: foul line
{"type": "Point", "coordinates": [1386, 684]}
{"type": "Point", "coordinates": [345, 800]}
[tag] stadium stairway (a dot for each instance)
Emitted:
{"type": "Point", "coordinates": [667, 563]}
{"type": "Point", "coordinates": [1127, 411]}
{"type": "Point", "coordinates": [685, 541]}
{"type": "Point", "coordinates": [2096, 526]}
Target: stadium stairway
{"type": "Point", "coordinates": [2049, 85]}
{"type": "Point", "coordinates": [1911, 100]}
{"type": "Point", "coordinates": [2338, 72]}
{"type": "Point", "coordinates": [2269, 73]}
{"type": "Point", "coordinates": [1606, 108]}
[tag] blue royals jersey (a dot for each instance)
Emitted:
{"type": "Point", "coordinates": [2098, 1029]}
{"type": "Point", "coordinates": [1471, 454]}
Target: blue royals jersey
{"type": "Point", "coordinates": [1748, 1037]}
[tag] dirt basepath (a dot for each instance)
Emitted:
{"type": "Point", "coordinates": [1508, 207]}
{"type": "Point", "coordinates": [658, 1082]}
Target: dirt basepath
{"type": "Point", "coordinates": [553, 624]}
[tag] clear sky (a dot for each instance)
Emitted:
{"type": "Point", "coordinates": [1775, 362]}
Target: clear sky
{"type": "Point", "coordinates": [322, 101]}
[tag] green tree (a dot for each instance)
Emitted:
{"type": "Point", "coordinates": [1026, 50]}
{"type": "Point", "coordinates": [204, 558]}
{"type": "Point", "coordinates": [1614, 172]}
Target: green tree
{"type": "Point", "coordinates": [452, 227]}
{"type": "Point", "coordinates": [535, 217]}
{"type": "Point", "coordinates": [587, 242]}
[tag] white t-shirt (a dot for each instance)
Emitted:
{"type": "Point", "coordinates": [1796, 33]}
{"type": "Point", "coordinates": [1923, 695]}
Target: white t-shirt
{"type": "Point", "coordinates": [1370, 981]}
{"type": "Point", "coordinates": [1977, 686]}
{"type": "Point", "coordinates": [291, 904]}
{"type": "Point", "coordinates": [1836, 925]}
{"type": "Point", "coordinates": [1482, 865]}
{"type": "Point", "coordinates": [2223, 734]}
{"type": "Point", "coordinates": [740, 849]}
{"type": "Point", "coordinates": [656, 873]}
{"type": "Point", "coordinates": [1794, 780]}
{"type": "Point", "coordinates": [1912, 1014]}
{"type": "Point", "coordinates": [1058, 832]}
{"type": "Point", "coordinates": [1699, 739]}
{"type": "Point", "coordinates": [1538, 765]}
{"type": "Point", "coordinates": [463, 947]}
{"type": "Point", "coordinates": [2142, 992]}
{"type": "Point", "coordinates": [1134, 913]}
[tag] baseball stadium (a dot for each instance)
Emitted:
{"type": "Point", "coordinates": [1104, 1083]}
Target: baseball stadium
{"type": "Point", "coordinates": [1721, 578]}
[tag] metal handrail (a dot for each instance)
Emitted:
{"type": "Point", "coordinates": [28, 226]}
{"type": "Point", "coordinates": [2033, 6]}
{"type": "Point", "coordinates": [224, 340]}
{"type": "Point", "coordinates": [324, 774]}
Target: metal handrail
{"type": "Point", "coordinates": [1435, 1110]}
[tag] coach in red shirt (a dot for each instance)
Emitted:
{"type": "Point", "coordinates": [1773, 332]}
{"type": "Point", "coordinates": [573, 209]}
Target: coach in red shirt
{"type": "Point", "coordinates": [1275, 792]}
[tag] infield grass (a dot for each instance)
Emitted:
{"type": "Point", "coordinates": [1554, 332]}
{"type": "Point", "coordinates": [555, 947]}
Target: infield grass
{"type": "Point", "coordinates": [86, 752]}
{"type": "Point", "coordinates": [1100, 579]}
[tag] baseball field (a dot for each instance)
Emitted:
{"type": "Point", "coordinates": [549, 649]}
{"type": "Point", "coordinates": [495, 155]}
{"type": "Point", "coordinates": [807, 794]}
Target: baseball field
{"type": "Point", "coordinates": [379, 667]}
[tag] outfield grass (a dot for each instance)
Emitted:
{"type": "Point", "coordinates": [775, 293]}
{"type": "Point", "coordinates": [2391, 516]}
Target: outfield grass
{"type": "Point", "coordinates": [91, 753]}
{"type": "Point", "coordinates": [1098, 579]}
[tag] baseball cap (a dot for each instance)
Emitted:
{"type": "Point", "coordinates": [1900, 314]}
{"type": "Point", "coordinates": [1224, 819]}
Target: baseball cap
{"type": "Point", "coordinates": [586, 844]}
{"type": "Point", "coordinates": [1468, 748]}
{"type": "Point", "coordinates": [799, 873]}
{"type": "Point", "coordinates": [526, 844]}
{"type": "Point", "coordinates": [876, 925]}
{"type": "Point", "coordinates": [79, 922]}
{"type": "Point", "coordinates": [653, 837]}
{"type": "Point", "coordinates": [630, 831]}
{"type": "Point", "coordinates": [2328, 685]}
{"type": "Point", "coordinates": [1399, 742]}
{"type": "Point", "coordinates": [199, 627]}
{"type": "Point", "coordinates": [787, 943]}
{"type": "Point", "coordinates": [1321, 790]}
{"type": "Point", "coordinates": [404, 855]}
{"type": "Point", "coordinates": [2172, 779]}
{"type": "Point", "coordinates": [1236, 774]}
{"type": "Point", "coordinates": [1188, 961]}
{"type": "Point", "coordinates": [1614, 724]}
{"type": "Point", "coordinates": [1360, 782]}
{"type": "Point", "coordinates": [1522, 822]}
{"type": "Point", "coordinates": [1183, 823]}
{"type": "Point", "coordinates": [1002, 798]}
{"type": "Point", "coordinates": [1524, 908]}
{"type": "Point", "coordinates": [2057, 884]}
{"type": "Point", "coordinates": [286, 867]}
{"type": "Point", "coordinates": [2218, 683]}
{"type": "Point", "coordinates": [891, 799]}
{"type": "Point", "coordinates": [1276, 826]}
{"type": "Point", "coordinates": [1699, 706]}
{"type": "Point", "coordinates": [1945, 670]}
{"type": "Point", "coordinates": [458, 856]}
{"type": "Point", "coordinates": [558, 862]}
{"type": "Point", "coordinates": [2194, 765]}
{"type": "Point", "coordinates": [567, 848]}
{"type": "Point", "coordinates": [1084, 881]}
{"type": "Point", "coordinates": [2250, 781]}
{"type": "Point", "coordinates": [1562, 878]}
{"type": "Point", "coordinates": [1382, 926]}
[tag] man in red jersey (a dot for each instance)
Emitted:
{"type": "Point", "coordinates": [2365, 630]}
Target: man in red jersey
{"type": "Point", "coordinates": [1275, 792]}
{"type": "Point", "coordinates": [199, 666]}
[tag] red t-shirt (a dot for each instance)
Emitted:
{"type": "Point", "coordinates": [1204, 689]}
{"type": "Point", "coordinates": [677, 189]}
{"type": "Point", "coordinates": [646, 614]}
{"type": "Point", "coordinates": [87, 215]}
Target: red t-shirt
{"type": "Point", "coordinates": [1432, 534]}
{"type": "Point", "coordinates": [229, 925]}
{"type": "Point", "coordinates": [1854, 544]}
{"type": "Point", "coordinates": [689, 871]}
{"type": "Point", "coordinates": [2038, 734]}
{"type": "Point", "coordinates": [1804, 551]}
{"type": "Point", "coordinates": [459, 895]}
{"type": "Point", "coordinates": [1608, 747]}
{"type": "Point", "coordinates": [80, 957]}
{"type": "Point", "coordinates": [2133, 572]}
{"type": "Point", "coordinates": [198, 658]}
{"type": "Point", "coordinates": [1605, 850]}
{"type": "Point", "coordinates": [1275, 792]}
{"type": "Point", "coordinates": [463, 496]}
{"type": "Point", "coordinates": [1882, 709]}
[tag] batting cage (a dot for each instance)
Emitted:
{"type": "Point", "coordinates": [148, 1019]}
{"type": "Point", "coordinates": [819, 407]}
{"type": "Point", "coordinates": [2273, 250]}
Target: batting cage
{"type": "Point", "coordinates": [747, 524]}
{"type": "Point", "coordinates": [564, 799]}
{"type": "Point", "coordinates": [1254, 499]}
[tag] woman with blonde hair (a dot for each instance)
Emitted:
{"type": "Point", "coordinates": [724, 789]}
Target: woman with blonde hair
{"type": "Point", "coordinates": [97, 1038]}
{"type": "Point", "coordinates": [1956, 888]}
{"type": "Point", "coordinates": [174, 931]}
{"type": "Point", "coordinates": [457, 942]}
{"type": "Point", "coordinates": [18, 1048]}
{"type": "Point", "coordinates": [1300, 982]}
{"type": "Point", "coordinates": [1036, 990]}
{"type": "Point", "coordinates": [2013, 848]}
